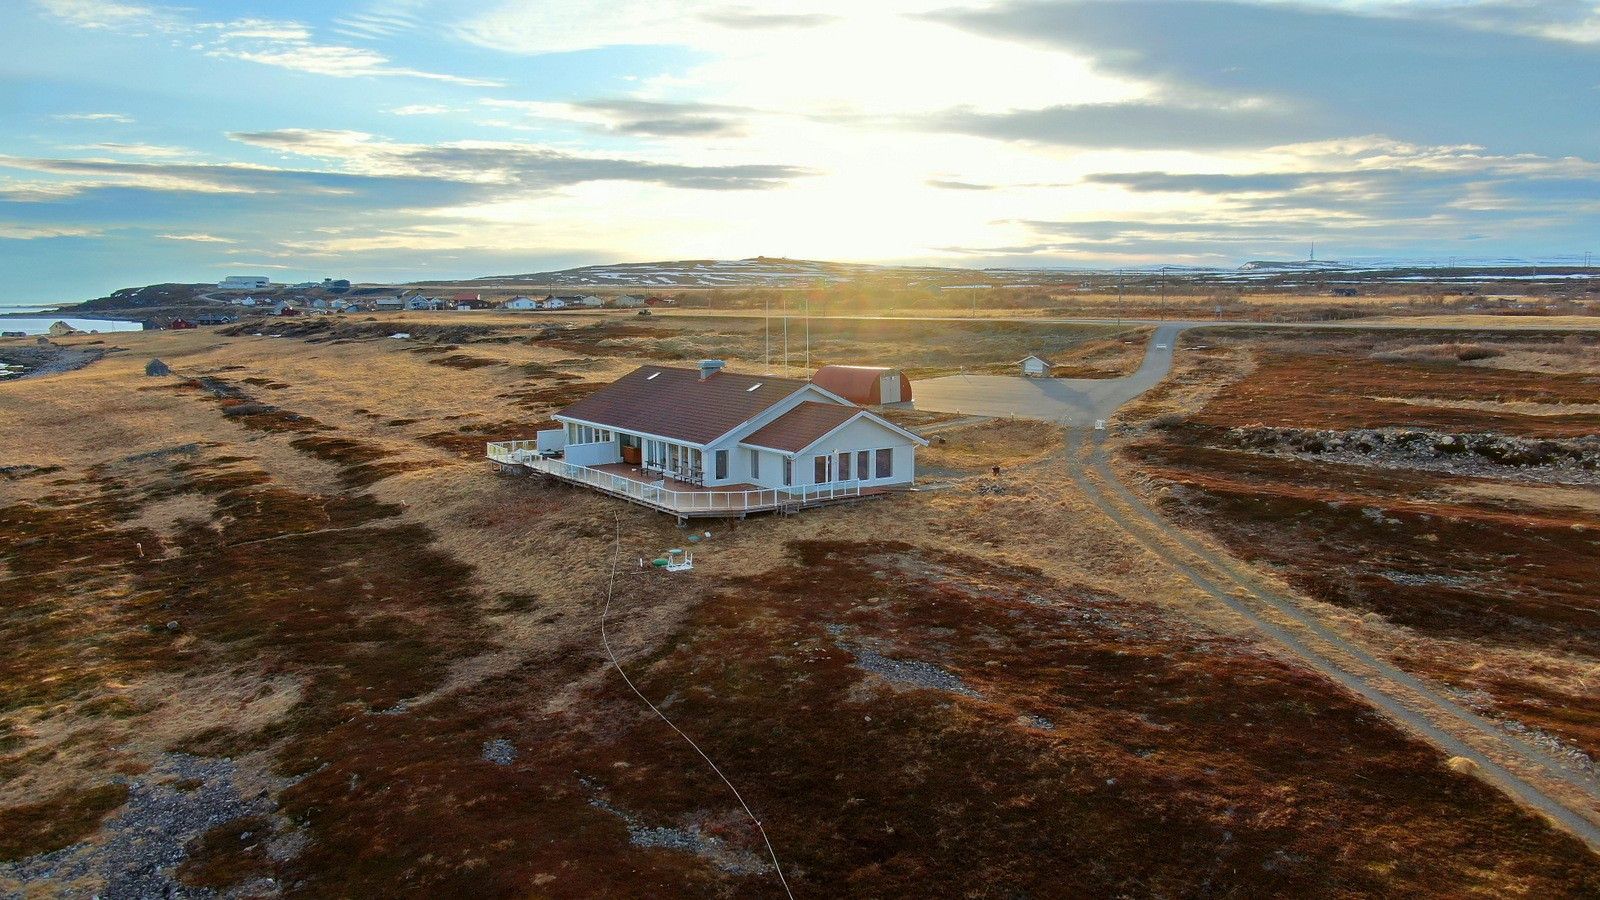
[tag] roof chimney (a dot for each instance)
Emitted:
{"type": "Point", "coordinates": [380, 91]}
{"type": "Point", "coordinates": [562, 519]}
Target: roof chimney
{"type": "Point", "coordinates": [709, 367]}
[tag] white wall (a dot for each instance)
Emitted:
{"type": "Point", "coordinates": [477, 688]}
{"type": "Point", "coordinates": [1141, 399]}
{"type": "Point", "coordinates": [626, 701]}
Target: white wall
{"type": "Point", "coordinates": [862, 434]}
{"type": "Point", "coordinates": [597, 454]}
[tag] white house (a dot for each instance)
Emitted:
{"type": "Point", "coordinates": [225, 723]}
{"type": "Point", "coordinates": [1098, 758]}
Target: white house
{"type": "Point", "coordinates": [420, 302]}
{"type": "Point", "coordinates": [703, 441]}
{"type": "Point", "coordinates": [243, 282]}
{"type": "Point", "coordinates": [1036, 366]}
{"type": "Point", "coordinates": [627, 302]}
{"type": "Point", "coordinates": [382, 303]}
{"type": "Point", "coordinates": [552, 303]}
{"type": "Point", "coordinates": [246, 300]}
{"type": "Point", "coordinates": [522, 303]}
{"type": "Point", "coordinates": [589, 300]}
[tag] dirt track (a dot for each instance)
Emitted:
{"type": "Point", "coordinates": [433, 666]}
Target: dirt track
{"type": "Point", "coordinates": [1566, 797]}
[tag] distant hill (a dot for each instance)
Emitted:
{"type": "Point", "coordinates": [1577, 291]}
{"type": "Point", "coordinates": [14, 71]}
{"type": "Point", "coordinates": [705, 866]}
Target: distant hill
{"type": "Point", "coordinates": [760, 271]}
{"type": "Point", "coordinates": [777, 272]}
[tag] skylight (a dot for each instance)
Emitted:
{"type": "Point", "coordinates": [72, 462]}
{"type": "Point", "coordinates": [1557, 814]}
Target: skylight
{"type": "Point", "coordinates": [752, 387]}
{"type": "Point", "coordinates": [652, 376]}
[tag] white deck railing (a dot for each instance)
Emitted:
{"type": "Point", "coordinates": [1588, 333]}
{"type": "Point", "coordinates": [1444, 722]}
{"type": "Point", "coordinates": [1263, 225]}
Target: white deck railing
{"type": "Point", "coordinates": [656, 494]}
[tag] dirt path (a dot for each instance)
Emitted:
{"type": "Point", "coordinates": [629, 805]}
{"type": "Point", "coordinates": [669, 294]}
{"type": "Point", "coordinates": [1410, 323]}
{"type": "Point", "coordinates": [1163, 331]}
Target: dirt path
{"type": "Point", "coordinates": [1539, 782]}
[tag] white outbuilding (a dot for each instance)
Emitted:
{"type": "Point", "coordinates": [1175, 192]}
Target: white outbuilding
{"type": "Point", "coordinates": [1036, 366]}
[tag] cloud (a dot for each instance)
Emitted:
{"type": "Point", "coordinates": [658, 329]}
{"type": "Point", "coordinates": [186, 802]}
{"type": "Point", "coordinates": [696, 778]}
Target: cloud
{"type": "Point", "coordinates": [1134, 125]}
{"type": "Point", "coordinates": [35, 232]}
{"type": "Point", "coordinates": [743, 17]}
{"type": "Point", "coordinates": [1430, 80]}
{"type": "Point", "coordinates": [332, 60]}
{"type": "Point", "coordinates": [502, 163]}
{"type": "Point", "coordinates": [423, 109]}
{"type": "Point", "coordinates": [111, 16]}
{"type": "Point", "coordinates": [946, 185]}
{"type": "Point", "coordinates": [148, 151]}
{"type": "Point", "coordinates": [1370, 193]}
{"type": "Point", "coordinates": [638, 118]}
{"type": "Point", "coordinates": [94, 117]}
{"type": "Point", "coordinates": [271, 42]}
{"type": "Point", "coordinates": [198, 238]}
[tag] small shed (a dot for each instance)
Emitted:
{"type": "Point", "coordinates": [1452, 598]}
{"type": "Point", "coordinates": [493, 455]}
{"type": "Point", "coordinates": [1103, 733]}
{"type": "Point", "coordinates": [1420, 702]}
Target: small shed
{"type": "Point", "coordinates": [156, 367]}
{"type": "Point", "coordinates": [1036, 366]}
{"type": "Point", "coordinates": [865, 385]}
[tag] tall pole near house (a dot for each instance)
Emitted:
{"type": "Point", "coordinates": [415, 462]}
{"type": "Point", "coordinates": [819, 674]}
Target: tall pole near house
{"type": "Point", "coordinates": [1119, 297]}
{"type": "Point", "coordinates": [786, 337]}
{"type": "Point", "coordinates": [767, 352]}
{"type": "Point", "coordinates": [808, 337]}
{"type": "Point", "coordinates": [1163, 293]}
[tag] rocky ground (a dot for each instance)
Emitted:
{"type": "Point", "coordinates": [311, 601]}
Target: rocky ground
{"type": "Point", "coordinates": [1482, 455]}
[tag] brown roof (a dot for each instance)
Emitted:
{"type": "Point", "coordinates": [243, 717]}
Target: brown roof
{"type": "Point", "coordinates": [800, 427]}
{"type": "Point", "coordinates": [676, 404]}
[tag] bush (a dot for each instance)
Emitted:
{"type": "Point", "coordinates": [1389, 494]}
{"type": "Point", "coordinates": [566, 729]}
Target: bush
{"type": "Point", "coordinates": [1470, 352]}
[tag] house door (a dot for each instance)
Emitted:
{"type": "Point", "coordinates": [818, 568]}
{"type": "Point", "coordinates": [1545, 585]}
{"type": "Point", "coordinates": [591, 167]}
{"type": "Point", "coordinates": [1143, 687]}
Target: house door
{"type": "Point", "coordinates": [824, 469]}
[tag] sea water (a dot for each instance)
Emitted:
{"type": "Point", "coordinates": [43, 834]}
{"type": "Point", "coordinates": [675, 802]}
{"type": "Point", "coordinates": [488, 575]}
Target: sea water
{"type": "Point", "coordinates": [31, 325]}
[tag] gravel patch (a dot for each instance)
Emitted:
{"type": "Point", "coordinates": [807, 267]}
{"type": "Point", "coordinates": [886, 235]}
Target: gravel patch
{"type": "Point", "coordinates": [910, 672]}
{"type": "Point", "coordinates": [1552, 461]}
{"type": "Point", "coordinates": [500, 752]}
{"type": "Point", "coordinates": [690, 838]}
{"type": "Point", "coordinates": [137, 851]}
{"type": "Point", "coordinates": [1417, 579]}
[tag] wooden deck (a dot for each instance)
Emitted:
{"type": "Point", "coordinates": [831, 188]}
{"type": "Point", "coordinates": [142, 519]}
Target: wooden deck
{"type": "Point", "coordinates": [682, 499]}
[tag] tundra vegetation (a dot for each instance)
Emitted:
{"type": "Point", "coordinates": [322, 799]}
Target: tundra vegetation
{"type": "Point", "coordinates": [1436, 495]}
{"type": "Point", "coordinates": [281, 585]}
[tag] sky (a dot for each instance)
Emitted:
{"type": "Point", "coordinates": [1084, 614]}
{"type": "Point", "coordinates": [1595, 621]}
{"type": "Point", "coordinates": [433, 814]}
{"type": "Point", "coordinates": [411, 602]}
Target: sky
{"type": "Point", "coordinates": [397, 140]}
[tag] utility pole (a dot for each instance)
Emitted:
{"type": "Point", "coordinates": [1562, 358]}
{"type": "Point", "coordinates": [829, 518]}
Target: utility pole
{"type": "Point", "coordinates": [1119, 297]}
{"type": "Point", "coordinates": [808, 337]}
{"type": "Point", "coordinates": [767, 353]}
{"type": "Point", "coordinates": [786, 337]}
{"type": "Point", "coordinates": [1163, 293]}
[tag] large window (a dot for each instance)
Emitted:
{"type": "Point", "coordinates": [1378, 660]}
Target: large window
{"type": "Point", "coordinates": [722, 465]}
{"type": "Point", "coordinates": [863, 461]}
{"type": "Point", "coordinates": [843, 471]}
{"type": "Point", "coordinates": [755, 464]}
{"type": "Point", "coordinates": [823, 476]}
{"type": "Point", "coordinates": [885, 463]}
{"type": "Point", "coordinates": [788, 471]}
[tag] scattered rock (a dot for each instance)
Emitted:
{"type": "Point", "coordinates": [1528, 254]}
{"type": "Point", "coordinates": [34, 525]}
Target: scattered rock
{"type": "Point", "coordinates": [1566, 461]}
{"type": "Point", "coordinates": [139, 849]}
{"type": "Point", "coordinates": [500, 752]}
{"type": "Point", "coordinates": [910, 671]}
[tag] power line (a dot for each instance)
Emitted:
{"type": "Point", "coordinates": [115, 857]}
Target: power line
{"type": "Point", "coordinates": [611, 589]}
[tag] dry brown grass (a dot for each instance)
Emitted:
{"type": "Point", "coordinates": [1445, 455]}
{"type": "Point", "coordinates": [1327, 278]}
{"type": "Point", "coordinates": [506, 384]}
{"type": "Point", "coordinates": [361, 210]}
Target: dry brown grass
{"type": "Point", "coordinates": [323, 575]}
{"type": "Point", "coordinates": [1002, 442]}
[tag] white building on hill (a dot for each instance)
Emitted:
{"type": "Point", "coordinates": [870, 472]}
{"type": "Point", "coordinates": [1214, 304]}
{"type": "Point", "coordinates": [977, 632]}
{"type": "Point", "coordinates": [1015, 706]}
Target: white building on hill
{"type": "Point", "coordinates": [704, 442]}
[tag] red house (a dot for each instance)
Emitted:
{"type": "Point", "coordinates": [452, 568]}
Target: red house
{"type": "Point", "coordinates": [181, 323]}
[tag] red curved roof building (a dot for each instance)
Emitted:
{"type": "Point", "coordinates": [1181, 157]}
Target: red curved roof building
{"type": "Point", "coordinates": [866, 385]}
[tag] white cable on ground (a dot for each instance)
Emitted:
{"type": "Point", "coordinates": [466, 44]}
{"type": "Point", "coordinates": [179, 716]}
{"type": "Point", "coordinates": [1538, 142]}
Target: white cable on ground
{"type": "Point", "coordinates": [611, 587]}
